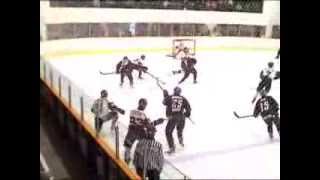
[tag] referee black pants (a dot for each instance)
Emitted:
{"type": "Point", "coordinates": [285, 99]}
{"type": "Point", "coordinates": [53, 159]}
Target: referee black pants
{"type": "Point", "coordinates": [151, 174]}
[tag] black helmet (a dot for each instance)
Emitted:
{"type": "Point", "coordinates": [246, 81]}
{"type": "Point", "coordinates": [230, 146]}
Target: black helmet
{"type": "Point", "coordinates": [104, 93]}
{"type": "Point", "coordinates": [270, 64]}
{"type": "Point", "coordinates": [150, 131]}
{"type": "Point", "coordinates": [177, 91]}
{"type": "Point", "coordinates": [143, 56]}
{"type": "Point", "coordinates": [142, 104]}
{"type": "Point", "coordinates": [126, 57]}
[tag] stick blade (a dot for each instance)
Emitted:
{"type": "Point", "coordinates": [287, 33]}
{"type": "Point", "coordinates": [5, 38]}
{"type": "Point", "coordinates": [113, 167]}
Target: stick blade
{"type": "Point", "coordinates": [236, 115]}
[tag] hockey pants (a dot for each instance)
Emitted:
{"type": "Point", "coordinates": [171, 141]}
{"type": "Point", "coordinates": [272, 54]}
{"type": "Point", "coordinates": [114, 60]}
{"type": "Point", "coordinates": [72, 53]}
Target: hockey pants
{"type": "Point", "coordinates": [187, 73]}
{"type": "Point", "coordinates": [99, 121]}
{"type": "Point", "coordinates": [273, 119]}
{"type": "Point", "coordinates": [129, 75]}
{"type": "Point", "coordinates": [177, 121]}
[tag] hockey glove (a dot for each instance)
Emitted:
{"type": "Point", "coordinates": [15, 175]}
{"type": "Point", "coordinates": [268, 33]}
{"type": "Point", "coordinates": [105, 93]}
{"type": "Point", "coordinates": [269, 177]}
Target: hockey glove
{"type": "Point", "coordinates": [113, 107]}
{"type": "Point", "coordinates": [160, 120]}
{"type": "Point", "coordinates": [121, 111]}
{"type": "Point", "coordinates": [144, 69]}
{"type": "Point", "coordinates": [187, 114]}
{"type": "Point", "coordinates": [165, 93]}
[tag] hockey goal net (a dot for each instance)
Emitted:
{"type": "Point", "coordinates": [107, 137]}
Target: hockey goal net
{"type": "Point", "coordinates": [178, 44]}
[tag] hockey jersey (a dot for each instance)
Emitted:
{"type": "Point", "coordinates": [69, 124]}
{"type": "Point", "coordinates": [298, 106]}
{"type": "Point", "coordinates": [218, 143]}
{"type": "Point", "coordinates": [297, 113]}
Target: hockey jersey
{"type": "Point", "coordinates": [137, 118]}
{"type": "Point", "coordinates": [100, 107]}
{"type": "Point", "coordinates": [266, 106]}
{"type": "Point", "coordinates": [177, 105]}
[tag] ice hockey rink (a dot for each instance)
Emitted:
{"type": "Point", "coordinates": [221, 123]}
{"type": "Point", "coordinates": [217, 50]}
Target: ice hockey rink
{"type": "Point", "coordinates": [217, 146]}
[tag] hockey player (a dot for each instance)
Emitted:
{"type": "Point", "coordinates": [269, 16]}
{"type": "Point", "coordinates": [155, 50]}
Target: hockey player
{"type": "Point", "coordinates": [139, 61]}
{"type": "Point", "coordinates": [177, 109]}
{"type": "Point", "coordinates": [277, 76]}
{"type": "Point", "coordinates": [104, 110]}
{"type": "Point", "coordinates": [179, 51]}
{"type": "Point", "coordinates": [125, 67]}
{"type": "Point", "coordinates": [148, 156]}
{"type": "Point", "coordinates": [267, 108]}
{"type": "Point", "coordinates": [187, 66]}
{"type": "Point", "coordinates": [266, 80]}
{"type": "Point", "coordinates": [278, 54]}
{"type": "Point", "coordinates": [267, 71]}
{"type": "Point", "coordinates": [138, 121]}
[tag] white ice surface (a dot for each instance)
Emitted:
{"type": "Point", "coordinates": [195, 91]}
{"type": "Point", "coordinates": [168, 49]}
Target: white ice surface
{"type": "Point", "coordinates": [218, 145]}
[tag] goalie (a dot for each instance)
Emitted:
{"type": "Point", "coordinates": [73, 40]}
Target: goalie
{"type": "Point", "coordinates": [179, 51]}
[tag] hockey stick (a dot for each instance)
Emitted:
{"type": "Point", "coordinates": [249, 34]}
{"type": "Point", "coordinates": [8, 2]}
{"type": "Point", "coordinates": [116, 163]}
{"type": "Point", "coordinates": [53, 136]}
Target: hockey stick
{"type": "Point", "coordinates": [240, 117]}
{"type": "Point", "coordinates": [107, 73]}
{"type": "Point", "coordinates": [156, 78]}
{"type": "Point", "coordinates": [159, 86]}
{"type": "Point", "coordinates": [170, 55]}
{"type": "Point", "coordinates": [191, 120]}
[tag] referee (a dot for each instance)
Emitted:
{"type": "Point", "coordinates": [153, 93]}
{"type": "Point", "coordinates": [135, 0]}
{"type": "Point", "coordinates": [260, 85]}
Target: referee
{"type": "Point", "coordinates": [148, 156]}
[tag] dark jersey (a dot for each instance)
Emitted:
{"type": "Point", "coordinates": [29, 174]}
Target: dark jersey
{"type": "Point", "coordinates": [265, 106]}
{"type": "Point", "coordinates": [128, 67]}
{"type": "Point", "coordinates": [265, 84]}
{"type": "Point", "coordinates": [177, 105]}
{"type": "Point", "coordinates": [188, 63]}
{"type": "Point", "coordinates": [191, 62]}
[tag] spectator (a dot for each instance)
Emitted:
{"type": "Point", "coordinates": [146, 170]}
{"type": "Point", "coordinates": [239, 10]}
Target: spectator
{"type": "Point", "coordinates": [148, 156]}
{"type": "Point", "coordinates": [165, 4]}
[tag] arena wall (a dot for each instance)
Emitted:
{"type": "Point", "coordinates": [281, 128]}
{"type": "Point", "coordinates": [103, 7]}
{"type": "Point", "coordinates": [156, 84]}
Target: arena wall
{"type": "Point", "coordinates": [95, 46]}
{"type": "Point", "coordinates": [84, 15]}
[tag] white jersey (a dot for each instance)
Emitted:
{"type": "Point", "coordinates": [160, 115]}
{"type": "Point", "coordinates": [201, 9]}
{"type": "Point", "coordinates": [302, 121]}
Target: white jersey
{"type": "Point", "coordinates": [268, 72]}
{"type": "Point", "coordinates": [100, 107]}
{"type": "Point", "coordinates": [139, 61]}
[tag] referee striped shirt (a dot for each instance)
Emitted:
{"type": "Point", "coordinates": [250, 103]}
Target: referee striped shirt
{"type": "Point", "coordinates": [148, 155]}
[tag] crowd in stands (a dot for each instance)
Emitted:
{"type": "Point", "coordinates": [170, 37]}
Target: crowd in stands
{"type": "Point", "coordinates": [211, 5]}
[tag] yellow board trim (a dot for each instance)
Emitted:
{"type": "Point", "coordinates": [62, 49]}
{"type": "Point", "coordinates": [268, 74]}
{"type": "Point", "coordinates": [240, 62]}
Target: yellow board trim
{"type": "Point", "coordinates": [88, 52]}
{"type": "Point", "coordinates": [103, 143]}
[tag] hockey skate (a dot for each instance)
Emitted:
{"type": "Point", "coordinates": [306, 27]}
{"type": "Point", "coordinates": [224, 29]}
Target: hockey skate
{"type": "Point", "coordinates": [176, 72]}
{"type": "Point", "coordinates": [253, 100]}
{"type": "Point", "coordinates": [98, 129]}
{"type": "Point", "coordinates": [195, 82]}
{"type": "Point", "coordinates": [271, 136]}
{"type": "Point", "coordinates": [127, 158]}
{"type": "Point", "coordinates": [171, 151]}
{"type": "Point", "coordinates": [181, 142]}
